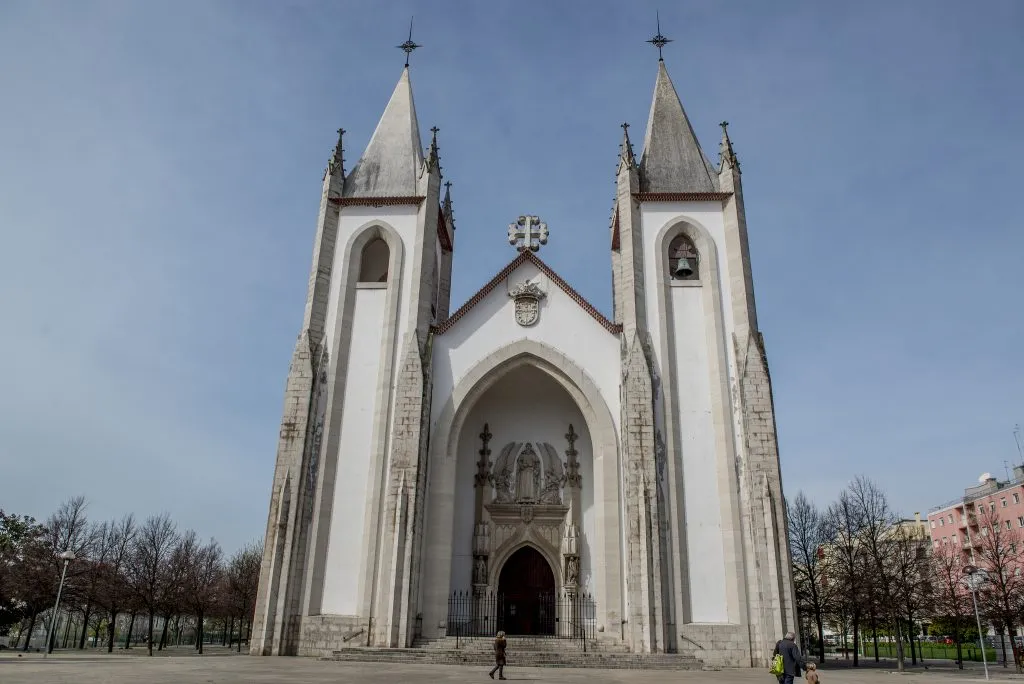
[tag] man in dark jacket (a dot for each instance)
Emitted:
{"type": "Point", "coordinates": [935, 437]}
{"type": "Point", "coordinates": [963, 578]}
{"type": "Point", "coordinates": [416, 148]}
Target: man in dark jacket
{"type": "Point", "coordinates": [792, 660]}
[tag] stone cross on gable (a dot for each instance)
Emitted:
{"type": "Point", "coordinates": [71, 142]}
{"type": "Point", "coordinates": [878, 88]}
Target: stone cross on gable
{"type": "Point", "coordinates": [528, 233]}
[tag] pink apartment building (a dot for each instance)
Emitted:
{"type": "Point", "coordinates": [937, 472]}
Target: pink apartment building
{"type": "Point", "coordinates": [959, 523]}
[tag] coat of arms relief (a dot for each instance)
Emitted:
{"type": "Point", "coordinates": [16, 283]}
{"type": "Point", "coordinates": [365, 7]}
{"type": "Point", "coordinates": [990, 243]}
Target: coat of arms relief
{"type": "Point", "coordinates": [527, 296]}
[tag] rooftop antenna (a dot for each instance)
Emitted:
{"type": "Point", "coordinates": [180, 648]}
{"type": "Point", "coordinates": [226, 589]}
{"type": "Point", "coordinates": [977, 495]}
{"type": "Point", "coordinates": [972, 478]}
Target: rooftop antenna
{"type": "Point", "coordinates": [1016, 438]}
{"type": "Point", "coordinates": [408, 46]}
{"type": "Point", "coordinates": [659, 41]}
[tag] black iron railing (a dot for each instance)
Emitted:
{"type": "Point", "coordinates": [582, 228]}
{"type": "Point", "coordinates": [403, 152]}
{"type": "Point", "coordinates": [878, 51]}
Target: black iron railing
{"type": "Point", "coordinates": [561, 615]}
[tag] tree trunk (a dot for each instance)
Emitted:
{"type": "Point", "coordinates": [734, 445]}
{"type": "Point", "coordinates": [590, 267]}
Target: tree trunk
{"type": "Point", "coordinates": [224, 632]}
{"type": "Point", "coordinates": [910, 637]}
{"type": "Point", "coordinates": [85, 626]}
{"type": "Point", "coordinates": [128, 638]}
{"type": "Point", "coordinates": [821, 636]}
{"type": "Point", "coordinates": [67, 631]}
{"type": "Point", "coordinates": [111, 629]}
{"type": "Point", "coordinates": [856, 641]}
{"type": "Point", "coordinates": [199, 629]}
{"type": "Point", "coordinates": [177, 630]}
{"type": "Point", "coordinates": [900, 663]}
{"type": "Point", "coordinates": [163, 633]}
{"type": "Point", "coordinates": [231, 633]}
{"type": "Point", "coordinates": [28, 634]}
{"type": "Point", "coordinates": [1002, 643]}
{"type": "Point", "coordinates": [149, 634]}
{"type": "Point", "coordinates": [241, 630]}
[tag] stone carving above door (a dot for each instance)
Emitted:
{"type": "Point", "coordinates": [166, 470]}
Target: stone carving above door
{"type": "Point", "coordinates": [521, 476]}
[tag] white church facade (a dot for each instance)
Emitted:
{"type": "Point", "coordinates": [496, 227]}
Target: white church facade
{"type": "Point", "coordinates": [523, 446]}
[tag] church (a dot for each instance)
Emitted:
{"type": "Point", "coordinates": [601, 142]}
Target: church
{"type": "Point", "coordinates": [523, 462]}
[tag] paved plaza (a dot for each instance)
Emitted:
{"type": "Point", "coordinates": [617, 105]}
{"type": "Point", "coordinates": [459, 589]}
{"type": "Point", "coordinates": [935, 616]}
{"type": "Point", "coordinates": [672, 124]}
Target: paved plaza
{"type": "Point", "coordinates": [221, 668]}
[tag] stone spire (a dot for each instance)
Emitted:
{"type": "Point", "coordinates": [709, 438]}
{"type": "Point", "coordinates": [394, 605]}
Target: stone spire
{"type": "Point", "coordinates": [446, 204]}
{"type": "Point", "coordinates": [626, 157]}
{"type": "Point", "coordinates": [728, 155]}
{"type": "Point", "coordinates": [393, 159]}
{"type": "Point", "coordinates": [672, 160]}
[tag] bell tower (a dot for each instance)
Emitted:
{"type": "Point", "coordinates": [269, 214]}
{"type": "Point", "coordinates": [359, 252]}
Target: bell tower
{"type": "Point", "coordinates": [705, 481]}
{"type": "Point", "coordinates": [339, 554]}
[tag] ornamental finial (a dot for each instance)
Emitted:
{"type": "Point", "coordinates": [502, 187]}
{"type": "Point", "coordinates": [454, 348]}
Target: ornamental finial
{"type": "Point", "coordinates": [659, 41]}
{"type": "Point", "coordinates": [408, 46]}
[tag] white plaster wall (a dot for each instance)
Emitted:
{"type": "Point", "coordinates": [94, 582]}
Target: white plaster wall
{"type": "Point", "coordinates": [352, 220]}
{"type": "Point", "coordinates": [526, 405]}
{"type": "Point", "coordinates": [654, 218]}
{"type": "Point", "coordinates": [341, 579]}
{"type": "Point", "coordinates": [491, 325]}
{"type": "Point", "coordinates": [692, 392]}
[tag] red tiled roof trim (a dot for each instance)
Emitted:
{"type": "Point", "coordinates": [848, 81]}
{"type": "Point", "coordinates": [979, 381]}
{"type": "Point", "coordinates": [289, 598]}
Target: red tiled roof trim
{"type": "Point", "coordinates": [375, 201]}
{"type": "Point", "coordinates": [444, 326]}
{"type": "Point", "coordinates": [442, 232]}
{"type": "Point", "coordinates": [681, 196]}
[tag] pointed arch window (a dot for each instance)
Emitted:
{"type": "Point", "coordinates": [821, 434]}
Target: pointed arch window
{"type": "Point", "coordinates": [683, 259]}
{"type": "Point", "coordinates": [374, 262]}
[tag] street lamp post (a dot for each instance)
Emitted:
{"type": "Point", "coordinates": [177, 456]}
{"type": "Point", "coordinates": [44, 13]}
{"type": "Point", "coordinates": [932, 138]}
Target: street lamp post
{"type": "Point", "coordinates": [973, 576]}
{"type": "Point", "coordinates": [67, 556]}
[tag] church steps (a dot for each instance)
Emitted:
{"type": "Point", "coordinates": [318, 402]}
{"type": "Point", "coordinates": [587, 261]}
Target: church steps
{"type": "Point", "coordinates": [554, 654]}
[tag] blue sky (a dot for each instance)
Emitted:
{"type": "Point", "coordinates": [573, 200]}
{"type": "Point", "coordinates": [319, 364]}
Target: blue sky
{"type": "Point", "coordinates": [160, 169]}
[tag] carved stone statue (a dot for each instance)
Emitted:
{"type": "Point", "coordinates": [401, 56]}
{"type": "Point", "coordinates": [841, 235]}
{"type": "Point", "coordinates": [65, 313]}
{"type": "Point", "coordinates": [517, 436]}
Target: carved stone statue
{"type": "Point", "coordinates": [554, 476]}
{"type": "Point", "coordinates": [501, 476]}
{"type": "Point", "coordinates": [480, 571]}
{"type": "Point", "coordinates": [528, 475]}
{"type": "Point", "coordinates": [572, 570]}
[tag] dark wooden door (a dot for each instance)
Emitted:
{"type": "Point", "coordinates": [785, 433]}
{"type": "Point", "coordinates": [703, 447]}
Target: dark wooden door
{"type": "Point", "coordinates": [526, 587]}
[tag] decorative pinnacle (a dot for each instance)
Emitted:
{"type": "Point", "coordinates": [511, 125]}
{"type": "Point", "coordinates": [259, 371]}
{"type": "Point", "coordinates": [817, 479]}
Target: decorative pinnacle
{"type": "Point", "coordinates": [726, 151]}
{"type": "Point", "coordinates": [338, 158]}
{"type": "Point", "coordinates": [408, 46]}
{"type": "Point", "coordinates": [659, 41]}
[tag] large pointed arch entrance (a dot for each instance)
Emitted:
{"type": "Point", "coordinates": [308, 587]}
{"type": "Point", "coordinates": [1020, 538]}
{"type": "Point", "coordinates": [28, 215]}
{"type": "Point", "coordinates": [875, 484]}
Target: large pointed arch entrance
{"type": "Point", "coordinates": [526, 591]}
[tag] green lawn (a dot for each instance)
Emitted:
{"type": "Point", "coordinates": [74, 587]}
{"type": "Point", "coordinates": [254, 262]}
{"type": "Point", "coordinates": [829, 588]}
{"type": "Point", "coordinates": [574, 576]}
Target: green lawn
{"type": "Point", "coordinates": [933, 651]}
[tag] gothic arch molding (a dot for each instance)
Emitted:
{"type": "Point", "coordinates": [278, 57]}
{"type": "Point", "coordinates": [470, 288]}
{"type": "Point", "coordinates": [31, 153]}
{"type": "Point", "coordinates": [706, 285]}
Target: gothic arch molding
{"type": "Point", "coordinates": [712, 276]}
{"type": "Point", "coordinates": [438, 541]}
{"type": "Point", "coordinates": [340, 343]}
{"type": "Point", "coordinates": [498, 564]}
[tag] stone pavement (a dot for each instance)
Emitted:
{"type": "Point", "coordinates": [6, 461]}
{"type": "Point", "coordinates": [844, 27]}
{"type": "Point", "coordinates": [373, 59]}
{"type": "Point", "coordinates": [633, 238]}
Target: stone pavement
{"type": "Point", "coordinates": [222, 668]}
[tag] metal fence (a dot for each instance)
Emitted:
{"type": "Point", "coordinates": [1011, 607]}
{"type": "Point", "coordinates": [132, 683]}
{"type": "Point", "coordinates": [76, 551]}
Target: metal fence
{"type": "Point", "coordinates": [542, 615]}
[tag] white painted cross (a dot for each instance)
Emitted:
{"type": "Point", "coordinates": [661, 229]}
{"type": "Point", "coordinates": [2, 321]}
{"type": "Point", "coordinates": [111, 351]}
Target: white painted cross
{"type": "Point", "coordinates": [528, 233]}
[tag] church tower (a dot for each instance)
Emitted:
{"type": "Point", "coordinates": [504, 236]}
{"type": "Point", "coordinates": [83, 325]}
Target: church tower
{"type": "Point", "coordinates": [694, 358]}
{"type": "Point", "coordinates": [348, 483]}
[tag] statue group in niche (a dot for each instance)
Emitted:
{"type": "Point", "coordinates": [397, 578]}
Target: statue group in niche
{"type": "Point", "coordinates": [535, 482]}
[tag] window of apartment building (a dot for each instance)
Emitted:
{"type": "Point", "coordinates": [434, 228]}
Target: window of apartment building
{"type": "Point", "coordinates": [950, 518]}
{"type": "Point", "coordinates": [1003, 502]}
{"type": "Point", "coordinates": [1020, 521]}
{"type": "Point", "coordinates": [992, 507]}
{"type": "Point", "coordinates": [1007, 524]}
{"type": "Point", "coordinates": [942, 522]}
{"type": "Point", "coordinates": [1016, 498]}
{"type": "Point", "coordinates": [933, 524]}
{"type": "Point", "coordinates": [984, 531]}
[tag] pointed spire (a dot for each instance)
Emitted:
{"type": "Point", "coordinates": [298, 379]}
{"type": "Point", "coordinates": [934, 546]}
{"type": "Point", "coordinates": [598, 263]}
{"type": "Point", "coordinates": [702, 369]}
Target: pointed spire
{"type": "Point", "coordinates": [446, 204]}
{"type": "Point", "coordinates": [672, 159]}
{"type": "Point", "coordinates": [726, 152]}
{"type": "Point", "coordinates": [337, 162]}
{"type": "Point", "coordinates": [393, 158]}
{"type": "Point", "coordinates": [433, 158]}
{"type": "Point", "coordinates": [626, 157]}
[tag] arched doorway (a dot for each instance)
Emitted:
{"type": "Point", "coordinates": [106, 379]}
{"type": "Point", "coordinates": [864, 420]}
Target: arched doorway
{"type": "Point", "coordinates": [526, 591]}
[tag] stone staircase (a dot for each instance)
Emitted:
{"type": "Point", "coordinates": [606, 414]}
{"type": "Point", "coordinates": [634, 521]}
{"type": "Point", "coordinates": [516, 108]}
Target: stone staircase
{"type": "Point", "coordinates": [522, 652]}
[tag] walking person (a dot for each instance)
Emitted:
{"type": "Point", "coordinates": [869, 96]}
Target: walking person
{"type": "Point", "coordinates": [499, 656]}
{"type": "Point", "coordinates": [792, 659]}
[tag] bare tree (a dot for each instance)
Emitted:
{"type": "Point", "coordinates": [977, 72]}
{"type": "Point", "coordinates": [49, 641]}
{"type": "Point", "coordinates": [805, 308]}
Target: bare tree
{"type": "Point", "coordinates": [243, 578]}
{"type": "Point", "coordinates": [113, 559]}
{"type": "Point", "coordinates": [998, 553]}
{"type": "Point", "coordinates": [844, 566]}
{"type": "Point", "coordinates": [809, 534]}
{"type": "Point", "coordinates": [875, 539]}
{"type": "Point", "coordinates": [909, 571]}
{"type": "Point", "coordinates": [202, 581]}
{"type": "Point", "coordinates": [951, 597]}
{"type": "Point", "coordinates": [150, 556]}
